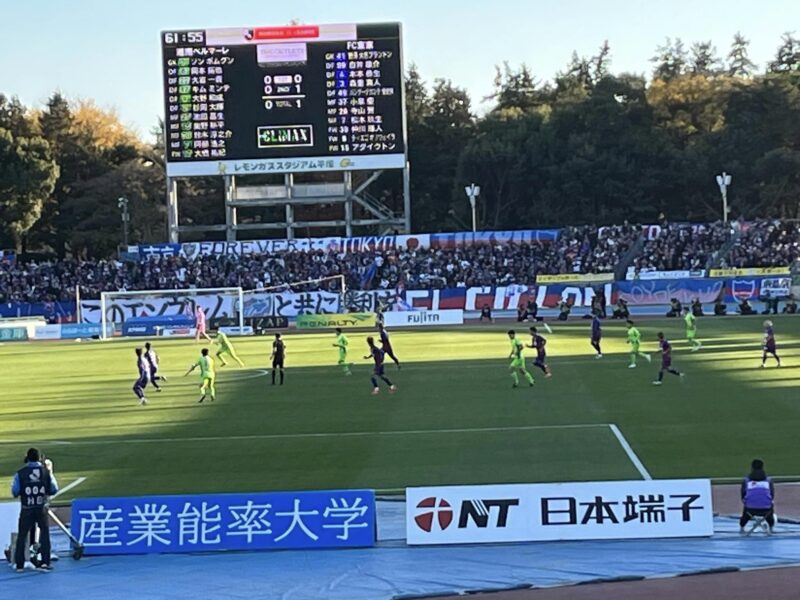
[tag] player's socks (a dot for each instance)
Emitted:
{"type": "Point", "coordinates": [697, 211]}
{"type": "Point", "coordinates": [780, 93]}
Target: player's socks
{"type": "Point", "coordinates": [281, 376]}
{"type": "Point", "coordinates": [273, 376]}
{"type": "Point", "coordinates": [529, 378]}
{"type": "Point", "coordinates": [239, 360]}
{"type": "Point", "coordinates": [203, 397]}
{"type": "Point", "coordinates": [646, 357]}
{"type": "Point", "coordinates": [386, 381]}
{"type": "Point", "coordinates": [515, 377]}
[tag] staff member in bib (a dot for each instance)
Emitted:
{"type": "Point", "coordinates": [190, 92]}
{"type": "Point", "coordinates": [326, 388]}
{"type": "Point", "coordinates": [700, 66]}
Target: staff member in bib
{"type": "Point", "coordinates": [758, 496]}
{"type": "Point", "coordinates": [32, 484]}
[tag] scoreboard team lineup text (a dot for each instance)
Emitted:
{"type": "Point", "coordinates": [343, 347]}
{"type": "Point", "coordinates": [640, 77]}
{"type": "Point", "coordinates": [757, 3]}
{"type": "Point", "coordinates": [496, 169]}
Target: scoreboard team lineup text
{"type": "Point", "coordinates": [241, 100]}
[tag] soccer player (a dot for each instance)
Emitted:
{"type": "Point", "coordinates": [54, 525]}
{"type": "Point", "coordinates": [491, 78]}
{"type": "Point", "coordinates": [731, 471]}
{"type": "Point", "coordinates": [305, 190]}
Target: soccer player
{"type": "Point", "coordinates": [152, 361]}
{"type": "Point", "coordinates": [597, 334]}
{"type": "Point", "coordinates": [635, 339]}
{"type": "Point", "coordinates": [278, 355]}
{"type": "Point", "coordinates": [200, 324]}
{"type": "Point", "coordinates": [666, 359]}
{"type": "Point", "coordinates": [769, 347]}
{"type": "Point", "coordinates": [377, 354]}
{"type": "Point", "coordinates": [144, 377]}
{"type": "Point", "coordinates": [207, 375]}
{"type": "Point", "coordinates": [341, 344]}
{"type": "Point", "coordinates": [538, 342]}
{"type": "Point", "coordinates": [691, 329]}
{"type": "Point", "coordinates": [226, 347]}
{"type": "Point", "coordinates": [386, 344]}
{"type": "Point", "coordinates": [518, 360]}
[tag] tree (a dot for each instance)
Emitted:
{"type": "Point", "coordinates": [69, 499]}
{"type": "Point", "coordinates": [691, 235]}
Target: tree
{"type": "Point", "coordinates": [517, 89]}
{"type": "Point", "coordinates": [704, 60]}
{"type": "Point", "coordinates": [670, 60]}
{"type": "Point", "coordinates": [739, 63]}
{"type": "Point", "coordinates": [787, 57]}
{"type": "Point", "coordinates": [27, 176]}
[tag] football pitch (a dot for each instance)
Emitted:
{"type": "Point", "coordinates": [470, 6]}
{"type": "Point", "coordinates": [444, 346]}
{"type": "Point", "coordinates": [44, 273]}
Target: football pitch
{"type": "Point", "coordinates": [454, 420]}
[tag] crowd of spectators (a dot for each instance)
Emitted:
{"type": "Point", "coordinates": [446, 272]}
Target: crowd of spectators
{"type": "Point", "coordinates": [578, 250]}
{"type": "Point", "coordinates": [768, 243]}
{"type": "Point", "coordinates": [683, 247]}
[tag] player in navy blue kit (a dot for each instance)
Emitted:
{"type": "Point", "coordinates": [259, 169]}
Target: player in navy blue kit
{"type": "Point", "coordinates": [386, 344]}
{"type": "Point", "coordinates": [538, 342]}
{"type": "Point", "coordinates": [144, 376]}
{"type": "Point", "coordinates": [666, 359]}
{"type": "Point", "coordinates": [376, 354]}
{"type": "Point", "coordinates": [769, 346]}
{"type": "Point", "coordinates": [152, 362]}
{"type": "Point", "coordinates": [597, 334]}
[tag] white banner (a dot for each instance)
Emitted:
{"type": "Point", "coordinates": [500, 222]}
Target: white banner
{"type": "Point", "coordinates": [419, 318]}
{"type": "Point", "coordinates": [632, 275]}
{"type": "Point", "coordinates": [559, 511]}
{"type": "Point", "coordinates": [119, 310]}
{"type": "Point", "coordinates": [47, 332]}
{"type": "Point", "coordinates": [185, 332]}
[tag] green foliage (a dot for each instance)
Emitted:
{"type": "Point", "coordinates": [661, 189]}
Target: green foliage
{"type": "Point", "coordinates": [588, 145]}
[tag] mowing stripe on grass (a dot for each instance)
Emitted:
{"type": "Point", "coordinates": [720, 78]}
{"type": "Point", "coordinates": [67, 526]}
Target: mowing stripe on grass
{"type": "Point", "coordinates": [283, 436]}
{"type": "Point", "coordinates": [629, 451]}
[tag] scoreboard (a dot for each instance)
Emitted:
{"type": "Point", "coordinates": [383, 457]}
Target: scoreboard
{"type": "Point", "coordinates": [283, 99]}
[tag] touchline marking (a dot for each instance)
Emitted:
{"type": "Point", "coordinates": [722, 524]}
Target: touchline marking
{"type": "Point", "coordinates": [629, 451]}
{"type": "Point", "coordinates": [67, 488]}
{"type": "Point", "coordinates": [284, 436]}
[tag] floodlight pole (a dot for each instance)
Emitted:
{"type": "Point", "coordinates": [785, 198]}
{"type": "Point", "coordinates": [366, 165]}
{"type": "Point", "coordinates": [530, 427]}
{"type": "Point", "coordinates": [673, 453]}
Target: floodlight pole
{"type": "Point", "coordinates": [723, 181]}
{"type": "Point", "coordinates": [473, 191]}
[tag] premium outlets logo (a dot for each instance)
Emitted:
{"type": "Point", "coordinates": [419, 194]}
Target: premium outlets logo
{"type": "Point", "coordinates": [436, 514]}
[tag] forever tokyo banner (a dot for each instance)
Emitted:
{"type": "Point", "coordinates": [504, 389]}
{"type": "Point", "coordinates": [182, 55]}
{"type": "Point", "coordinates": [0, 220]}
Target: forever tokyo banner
{"type": "Point", "coordinates": [369, 243]}
{"type": "Point", "coordinates": [560, 511]}
{"type": "Point", "coordinates": [260, 521]}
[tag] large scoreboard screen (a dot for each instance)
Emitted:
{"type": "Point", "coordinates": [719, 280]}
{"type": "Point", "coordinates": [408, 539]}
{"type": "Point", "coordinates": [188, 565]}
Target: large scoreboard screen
{"type": "Point", "coordinates": [295, 98]}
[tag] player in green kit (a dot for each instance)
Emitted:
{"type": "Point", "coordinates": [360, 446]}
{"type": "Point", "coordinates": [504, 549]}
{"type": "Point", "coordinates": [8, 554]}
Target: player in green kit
{"type": "Point", "coordinates": [341, 344]}
{"type": "Point", "coordinates": [207, 375]}
{"type": "Point", "coordinates": [517, 365]}
{"type": "Point", "coordinates": [691, 329]}
{"type": "Point", "coordinates": [635, 339]}
{"type": "Point", "coordinates": [226, 347]}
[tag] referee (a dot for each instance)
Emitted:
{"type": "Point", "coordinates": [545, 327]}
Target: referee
{"type": "Point", "coordinates": [32, 484]}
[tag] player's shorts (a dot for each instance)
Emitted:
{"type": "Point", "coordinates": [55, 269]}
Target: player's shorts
{"type": "Point", "coordinates": [666, 363]}
{"type": "Point", "coordinates": [517, 363]}
{"type": "Point", "coordinates": [277, 363]}
{"type": "Point", "coordinates": [540, 359]}
{"type": "Point", "coordinates": [379, 370]}
{"type": "Point", "coordinates": [207, 382]}
{"type": "Point", "coordinates": [596, 338]}
{"type": "Point", "coordinates": [770, 347]}
{"type": "Point", "coordinates": [201, 329]}
{"type": "Point", "coordinates": [690, 335]}
{"type": "Point", "coordinates": [141, 382]}
{"type": "Point", "coordinates": [226, 350]}
{"type": "Point", "coordinates": [634, 346]}
{"type": "Point", "coordinates": [387, 348]}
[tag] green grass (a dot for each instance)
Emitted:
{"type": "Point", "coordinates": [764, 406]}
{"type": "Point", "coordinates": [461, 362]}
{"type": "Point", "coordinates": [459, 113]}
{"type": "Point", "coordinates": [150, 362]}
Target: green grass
{"type": "Point", "coordinates": [454, 420]}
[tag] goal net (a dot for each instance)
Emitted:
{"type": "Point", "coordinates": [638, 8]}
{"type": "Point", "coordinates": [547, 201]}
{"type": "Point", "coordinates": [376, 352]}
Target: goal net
{"type": "Point", "coordinates": [220, 305]}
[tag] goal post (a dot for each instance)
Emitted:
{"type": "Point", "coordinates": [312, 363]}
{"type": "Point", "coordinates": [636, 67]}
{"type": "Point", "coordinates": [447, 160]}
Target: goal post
{"type": "Point", "coordinates": [222, 302]}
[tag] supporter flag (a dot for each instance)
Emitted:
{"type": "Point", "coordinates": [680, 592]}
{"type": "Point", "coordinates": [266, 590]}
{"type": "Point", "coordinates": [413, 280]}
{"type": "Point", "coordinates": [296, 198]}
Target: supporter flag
{"type": "Point", "coordinates": [368, 276]}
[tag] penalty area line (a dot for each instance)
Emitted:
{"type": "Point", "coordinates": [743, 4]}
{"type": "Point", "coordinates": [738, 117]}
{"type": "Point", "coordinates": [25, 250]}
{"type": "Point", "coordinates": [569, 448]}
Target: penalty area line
{"type": "Point", "coordinates": [629, 451]}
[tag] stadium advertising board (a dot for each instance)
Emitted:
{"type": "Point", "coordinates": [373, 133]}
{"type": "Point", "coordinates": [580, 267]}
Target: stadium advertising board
{"type": "Point", "coordinates": [294, 98]}
{"type": "Point", "coordinates": [13, 334]}
{"type": "Point", "coordinates": [761, 287]}
{"type": "Point", "coordinates": [346, 320]}
{"type": "Point", "coordinates": [559, 511]}
{"type": "Point", "coordinates": [257, 521]}
{"type": "Point", "coordinates": [47, 332]}
{"type": "Point", "coordinates": [749, 272]}
{"type": "Point", "coordinates": [422, 318]}
{"type": "Point", "coordinates": [576, 278]}
{"type": "Point", "coordinates": [633, 275]}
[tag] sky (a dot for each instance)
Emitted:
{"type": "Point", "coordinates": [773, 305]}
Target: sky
{"type": "Point", "coordinates": [109, 50]}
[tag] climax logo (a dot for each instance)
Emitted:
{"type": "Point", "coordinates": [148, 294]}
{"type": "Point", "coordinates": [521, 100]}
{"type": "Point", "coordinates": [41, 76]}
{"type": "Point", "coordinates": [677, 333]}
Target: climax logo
{"type": "Point", "coordinates": [430, 508]}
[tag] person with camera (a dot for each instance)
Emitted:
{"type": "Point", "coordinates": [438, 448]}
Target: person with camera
{"type": "Point", "coordinates": [32, 484]}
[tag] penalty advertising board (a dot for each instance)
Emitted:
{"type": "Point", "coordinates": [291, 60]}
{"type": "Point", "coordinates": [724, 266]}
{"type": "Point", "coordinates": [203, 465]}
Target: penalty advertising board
{"type": "Point", "coordinates": [284, 99]}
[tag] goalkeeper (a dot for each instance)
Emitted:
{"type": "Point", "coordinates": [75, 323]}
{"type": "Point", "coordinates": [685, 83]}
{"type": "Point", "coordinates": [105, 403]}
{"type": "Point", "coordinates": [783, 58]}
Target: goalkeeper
{"type": "Point", "coordinates": [226, 347]}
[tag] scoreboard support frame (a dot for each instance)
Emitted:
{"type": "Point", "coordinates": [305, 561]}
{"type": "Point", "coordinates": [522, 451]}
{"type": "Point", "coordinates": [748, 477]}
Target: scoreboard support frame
{"type": "Point", "coordinates": [291, 194]}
